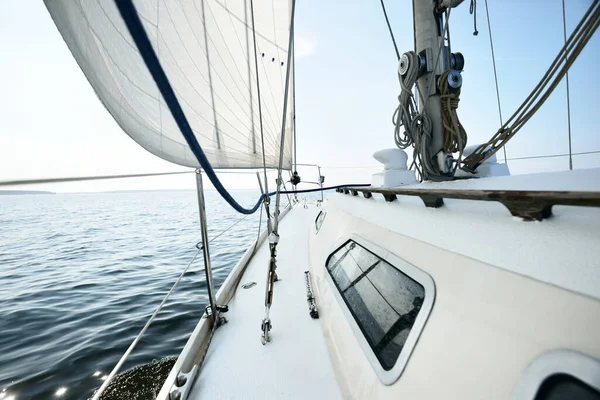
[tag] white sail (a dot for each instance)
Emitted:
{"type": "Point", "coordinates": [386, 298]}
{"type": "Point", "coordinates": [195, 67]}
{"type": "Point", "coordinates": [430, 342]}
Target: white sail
{"type": "Point", "coordinates": [206, 48]}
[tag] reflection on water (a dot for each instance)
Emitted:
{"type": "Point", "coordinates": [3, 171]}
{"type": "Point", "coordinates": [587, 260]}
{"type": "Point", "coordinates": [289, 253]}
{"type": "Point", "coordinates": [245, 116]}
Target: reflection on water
{"type": "Point", "coordinates": [80, 274]}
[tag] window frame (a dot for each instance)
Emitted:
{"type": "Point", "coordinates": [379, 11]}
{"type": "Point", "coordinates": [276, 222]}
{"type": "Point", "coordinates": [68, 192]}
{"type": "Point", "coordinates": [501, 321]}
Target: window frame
{"type": "Point", "coordinates": [318, 227]}
{"type": "Point", "coordinates": [387, 377]}
{"type": "Point", "coordinates": [556, 362]}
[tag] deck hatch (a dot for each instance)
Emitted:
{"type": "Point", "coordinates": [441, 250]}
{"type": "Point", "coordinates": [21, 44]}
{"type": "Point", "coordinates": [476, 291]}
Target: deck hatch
{"type": "Point", "coordinates": [385, 298]}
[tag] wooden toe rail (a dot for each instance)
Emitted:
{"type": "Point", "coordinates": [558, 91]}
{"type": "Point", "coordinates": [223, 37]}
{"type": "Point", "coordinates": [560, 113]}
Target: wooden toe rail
{"type": "Point", "coordinates": [527, 204]}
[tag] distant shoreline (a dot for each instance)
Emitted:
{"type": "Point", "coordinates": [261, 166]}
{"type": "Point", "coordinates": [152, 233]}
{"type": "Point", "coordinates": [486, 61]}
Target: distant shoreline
{"type": "Point", "coordinates": [19, 192]}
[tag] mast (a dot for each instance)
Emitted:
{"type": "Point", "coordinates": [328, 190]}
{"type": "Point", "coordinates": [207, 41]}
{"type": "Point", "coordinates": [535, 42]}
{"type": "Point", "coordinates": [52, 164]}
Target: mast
{"type": "Point", "coordinates": [429, 39]}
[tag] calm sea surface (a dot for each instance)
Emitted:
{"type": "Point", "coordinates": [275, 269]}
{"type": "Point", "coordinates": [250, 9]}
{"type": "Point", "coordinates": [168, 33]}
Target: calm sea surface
{"type": "Point", "coordinates": [80, 274]}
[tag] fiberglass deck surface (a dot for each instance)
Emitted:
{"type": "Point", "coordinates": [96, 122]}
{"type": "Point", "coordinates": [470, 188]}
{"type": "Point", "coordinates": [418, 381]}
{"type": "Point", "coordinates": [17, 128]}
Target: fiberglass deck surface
{"type": "Point", "coordinates": [296, 363]}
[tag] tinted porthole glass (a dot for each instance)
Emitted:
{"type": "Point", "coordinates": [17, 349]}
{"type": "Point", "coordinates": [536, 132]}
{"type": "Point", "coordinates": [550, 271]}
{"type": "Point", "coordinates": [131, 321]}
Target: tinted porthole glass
{"type": "Point", "coordinates": [566, 387]}
{"type": "Point", "coordinates": [383, 300]}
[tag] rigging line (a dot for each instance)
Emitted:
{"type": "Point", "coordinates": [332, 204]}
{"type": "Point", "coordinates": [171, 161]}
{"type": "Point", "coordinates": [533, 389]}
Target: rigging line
{"type": "Point", "coordinates": [447, 13]}
{"type": "Point", "coordinates": [390, 29]}
{"type": "Point", "coordinates": [250, 102]}
{"type": "Point", "coordinates": [563, 61]}
{"type": "Point", "coordinates": [283, 117]}
{"type": "Point", "coordinates": [138, 33]}
{"type": "Point", "coordinates": [136, 340]}
{"type": "Point", "coordinates": [259, 226]}
{"type": "Point", "coordinates": [487, 13]}
{"type": "Point", "coordinates": [139, 336]}
{"type": "Point", "coordinates": [567, 54]}
{"type": "Point", "coordinates": [206, 38]}
{"type": "Point", "coordinates": [350, 166]}
{"type": "Point", "coordinates": [276, 120]}
{"type": "Point", "coordinates": [209, 69]}
{"type": "Point", "coordinates": [85, 178]}
{"type": "Point", "coordinates": [206, 101]}
{"type": "Point", "coordinates": [231, 13]}
{"type": "Point", "coordinates": [567, 83]}
{"type": "Point", "coordinates": [556, 155]}
{"type": "Point", "coordinates": [251, 73]}
{"type": "Point", "coordinates": [199, 245]}
{"type": "Point", "coordinates": [294, 102]}
{"type": "Point", "coordinates": [276, 112]}
{"type": "Point", "coordinates": [135, 49]}
{"type": "Point", "coordinates": [262, 138]}
{"type": "Point", "coordinates": [277, 48]}
{"type": "Point", "coordinates": [210, 84]}
{"type": "Point", "coordinates": [287, 194]}
{"type": "Point", "coordinates": [116, 65]}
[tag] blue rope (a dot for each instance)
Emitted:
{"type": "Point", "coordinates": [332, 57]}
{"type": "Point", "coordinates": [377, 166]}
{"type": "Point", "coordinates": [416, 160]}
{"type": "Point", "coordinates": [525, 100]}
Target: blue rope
{"type": "Point", "coordinates": [138, 33]}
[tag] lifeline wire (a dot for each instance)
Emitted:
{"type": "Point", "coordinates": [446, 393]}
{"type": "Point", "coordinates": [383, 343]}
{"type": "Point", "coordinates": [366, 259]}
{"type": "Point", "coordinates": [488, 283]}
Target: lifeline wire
{"type": "Point", "coordinates": [139, 336]}
{"type": "Point", "coordinates": [86, 178]}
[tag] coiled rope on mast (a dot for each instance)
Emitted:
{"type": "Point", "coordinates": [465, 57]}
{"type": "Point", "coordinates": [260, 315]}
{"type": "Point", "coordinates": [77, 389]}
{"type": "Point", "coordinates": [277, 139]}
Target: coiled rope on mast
{"type": "Point", "coordinates": [418, 126]}
{"type": "Point", "coordinates": [455, 136]}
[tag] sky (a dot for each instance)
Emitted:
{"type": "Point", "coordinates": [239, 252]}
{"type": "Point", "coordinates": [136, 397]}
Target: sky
{"type": "Point", "coordinates": [52, 124]}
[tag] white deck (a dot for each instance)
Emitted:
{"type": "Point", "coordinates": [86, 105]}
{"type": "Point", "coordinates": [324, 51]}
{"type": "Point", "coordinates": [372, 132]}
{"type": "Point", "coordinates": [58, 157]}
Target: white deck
{"type": "Point", "coordinates": [296, 363]}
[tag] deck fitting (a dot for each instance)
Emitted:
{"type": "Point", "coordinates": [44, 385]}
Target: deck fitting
{"type": "Point", "coordinates": [528, 209]}
{"type": "Point", "coordinates": [354, 192]}
{"type": "Point", "coordinates": [366, 194]}
{"type": "Point", "coordinates": [389, 197]}
{"type": "Point", "coordinates": [432, 201]}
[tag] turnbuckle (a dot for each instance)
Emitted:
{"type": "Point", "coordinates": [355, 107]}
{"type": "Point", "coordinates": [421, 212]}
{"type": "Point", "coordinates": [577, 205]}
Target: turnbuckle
{"type": "Point", "coordinates": [265, 326]}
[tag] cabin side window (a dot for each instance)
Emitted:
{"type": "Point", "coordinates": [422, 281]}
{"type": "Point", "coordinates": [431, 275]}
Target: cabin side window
{"type": "Point", "coordinates": [384, 301]}
{"type": "Point", "coordinates": [319, 220]}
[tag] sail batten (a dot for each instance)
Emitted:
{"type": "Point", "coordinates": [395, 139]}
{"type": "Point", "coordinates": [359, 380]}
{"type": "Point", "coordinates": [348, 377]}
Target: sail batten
{"type": "Point", "coordinates": [206, 49]}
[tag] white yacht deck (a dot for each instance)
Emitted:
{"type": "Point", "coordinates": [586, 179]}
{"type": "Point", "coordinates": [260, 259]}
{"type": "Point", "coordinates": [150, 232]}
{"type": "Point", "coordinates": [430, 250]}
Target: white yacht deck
{"type": "Point", "coordinates": [296, 363]}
